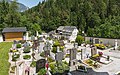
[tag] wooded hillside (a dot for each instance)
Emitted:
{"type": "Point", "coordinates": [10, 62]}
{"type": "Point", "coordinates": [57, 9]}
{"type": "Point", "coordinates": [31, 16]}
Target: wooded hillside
{"type": "Point", "coordinates": [99, 18]}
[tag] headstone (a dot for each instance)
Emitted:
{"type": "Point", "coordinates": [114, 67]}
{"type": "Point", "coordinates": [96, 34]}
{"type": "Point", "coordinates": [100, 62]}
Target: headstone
{"type": "Point", "coordinates": [96, 41]}
{"type": "Point", "coordinates": [73, 53]}
{"type": "Point", "coordinates": [75, 45]}
{"type": "Point", "coordinates": [59, 56]}
{"type": "Point", "coordinates": [93, 51]}
{"type": "Point", "coordinates": [73, 60]}
{"type": "Point", "coordinates": [40, 64]}
{"type": "Point", "coordinates": [116, 44]}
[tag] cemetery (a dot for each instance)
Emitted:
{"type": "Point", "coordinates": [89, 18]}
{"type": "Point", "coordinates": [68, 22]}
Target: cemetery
{"type": "Point", "coordinates": [55, 56]}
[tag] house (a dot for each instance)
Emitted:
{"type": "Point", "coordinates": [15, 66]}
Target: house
{"type": "Point", "coordinates": [10, 34]}
{"type": "Point", "coordinates": [70, 32]}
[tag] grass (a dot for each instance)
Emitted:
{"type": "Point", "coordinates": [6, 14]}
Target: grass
{"type": "Point", "coordinates": [4, 64]}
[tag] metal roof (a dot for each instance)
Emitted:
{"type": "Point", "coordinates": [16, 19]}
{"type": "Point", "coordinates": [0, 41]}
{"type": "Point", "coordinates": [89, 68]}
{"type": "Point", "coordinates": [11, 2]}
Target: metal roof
{"type": "Point", "coordinates": [67, 28]}
{"type": "Point", "coordinates": [14, 29]}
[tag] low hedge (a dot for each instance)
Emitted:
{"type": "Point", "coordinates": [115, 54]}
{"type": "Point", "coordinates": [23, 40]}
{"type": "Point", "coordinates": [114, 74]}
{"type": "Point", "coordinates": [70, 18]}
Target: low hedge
{"type": "Point", "coordinates": [18, 45]}
{"type": "Point", "coordinates": [26, 57]}
{"type": "Point", "coordinates": [26, 50]}
{"type": "Point", "coordinates": [33, 64]}
{"type": "Point", "coordinates": [15, 57]}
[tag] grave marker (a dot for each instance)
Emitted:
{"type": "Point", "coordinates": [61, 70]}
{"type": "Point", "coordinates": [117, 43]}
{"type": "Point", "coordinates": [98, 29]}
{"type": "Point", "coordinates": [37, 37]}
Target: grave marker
{"type": "Point", "coordinates": [40, 64]}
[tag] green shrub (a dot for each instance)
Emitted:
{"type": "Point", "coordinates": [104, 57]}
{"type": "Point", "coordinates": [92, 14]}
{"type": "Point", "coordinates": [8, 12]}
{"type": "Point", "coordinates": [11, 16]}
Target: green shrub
{"type": "Point", "coordinates": [59, 68]}
{"type": "Point", "coordinates": [15, 57]}
{"type": "Point", "coordinates": [33, 64]}
{"type": "Point", "coordinates": [50, 60]}
{"type": "Point", "coordinates": [26, 50]}
{"type": "Point", "coordinates": [42, 54]}
{"type": "Point", "coordinates": [26, 57]}
{"type": "Point", "coordinates": [18, 45]}
{"type": "Point", "coordinates": [79, 40]}
{"type": "Point", "coordinates": [56, 43]}
{"type": "Point", "coordinates": [54, 50]}
{"type": "Point", "coordinates": [42, 71]}
{"type": "Point", "coordinates": [61, 48]}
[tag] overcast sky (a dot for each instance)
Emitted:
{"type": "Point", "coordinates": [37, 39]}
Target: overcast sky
{"type": "Point", "coordinates": [29, 3]}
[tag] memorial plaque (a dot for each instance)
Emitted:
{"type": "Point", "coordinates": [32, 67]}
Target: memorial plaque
{"type": "Point", "coordinates": [93, 51]}
{"type": "Point", "coordinates": [59, 56]}
{"type": "Point", "coordinates": [40, 64]}
{"type": "Point", "coordinates": [73, 53]}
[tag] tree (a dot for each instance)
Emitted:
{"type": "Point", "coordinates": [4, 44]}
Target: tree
{"type": "Point", "coordinates": [79, 39]}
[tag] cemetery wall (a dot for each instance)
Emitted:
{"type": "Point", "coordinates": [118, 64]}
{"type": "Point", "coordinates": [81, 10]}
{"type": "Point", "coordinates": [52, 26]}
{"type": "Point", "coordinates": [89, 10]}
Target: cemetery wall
{"type": "Point", "coordinates": [104, 40]}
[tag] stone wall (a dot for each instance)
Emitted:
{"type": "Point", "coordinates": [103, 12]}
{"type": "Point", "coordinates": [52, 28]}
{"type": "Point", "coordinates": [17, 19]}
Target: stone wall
{"type": "Point", "coordinates": [103, 40]}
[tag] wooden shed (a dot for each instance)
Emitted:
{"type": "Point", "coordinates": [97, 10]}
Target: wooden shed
{"type": "Point", "coordinates": [16, 33]}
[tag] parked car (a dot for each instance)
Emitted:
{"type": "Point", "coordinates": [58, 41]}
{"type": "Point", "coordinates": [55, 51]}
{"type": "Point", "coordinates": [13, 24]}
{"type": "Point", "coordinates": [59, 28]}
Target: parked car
{"type": "Point", "coordinates": [81, 68]}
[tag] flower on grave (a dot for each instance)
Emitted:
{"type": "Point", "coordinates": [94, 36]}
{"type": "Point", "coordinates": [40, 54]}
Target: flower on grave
{"type": "Point", "coordinates": [100, 53]}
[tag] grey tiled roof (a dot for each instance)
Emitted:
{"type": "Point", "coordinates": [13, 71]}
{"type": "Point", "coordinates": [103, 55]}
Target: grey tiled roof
{"type": "Point", "coordinates": [67, 28]}
{"type": "Point", "coordinates": [14, 29]}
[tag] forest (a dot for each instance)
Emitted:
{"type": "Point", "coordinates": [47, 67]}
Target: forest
{"type": "Point", "coordinates": [98, 18]}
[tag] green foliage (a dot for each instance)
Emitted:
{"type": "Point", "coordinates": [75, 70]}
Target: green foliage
{"type": "Point", "coordinates": [18, 45]}
{"type": "Point", "coordinates": [15, 57]}
{"type": "Point", "coordinates": [26, 49]}
{"type": "Point", "coordinates": [60, 68]}
{"type": "Point", "coordinates": [56, 43]}
{"type": "Point", "coordinates": [50, 60]}
{"type": "Point", "coordinates": [42, 71]}
{"type": "Point", "coordinates": [26, 57]}
{"type": "Point", "coordinates": [4, 64]}
{"type": "Point", "coordinates": [33, 64]}
{"type": "Point", "coordinates": [42, 54]}
{"type": "Point", "coordinates": [95, 17]}
{"type": "Point", "coordinates": [54, 50]}
{"type": "Point", "coordinates": [79, 39]}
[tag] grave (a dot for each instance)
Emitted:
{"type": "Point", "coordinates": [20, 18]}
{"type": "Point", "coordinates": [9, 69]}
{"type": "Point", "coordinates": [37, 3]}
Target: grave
{"type": "Point", "coordinates": [40, 64]}
{"type": "Point", "coordinates": [93, 51]}
{"type": "Point", "coordinates": [59, 56]}
{"type": "Point", "coordinates": [73, 60]}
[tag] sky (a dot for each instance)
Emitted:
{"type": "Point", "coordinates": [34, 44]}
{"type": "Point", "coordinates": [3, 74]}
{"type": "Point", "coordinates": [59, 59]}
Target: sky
{"type": "Point", "coordinates": [29, 3]}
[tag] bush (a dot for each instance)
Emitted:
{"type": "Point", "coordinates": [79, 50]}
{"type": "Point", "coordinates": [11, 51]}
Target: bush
{"type": "Point", "coordinates": [26, 50]}
{"type": "Point", "coordinates": [54, 50]}
{"type": "Point", "coordinates": [79, 40]}
{"type": "Point", "coordinates": [42, 54]}
{"type": "Point", "coordinates": [33, 64]}
{"type": "Point", "coordinates": [26, 57]}
{"type": "Point", "coordinates": [42, 71]}
{"type": "Point", "coordinates": [61, 48]}
{"type": "Point", "coordinates": [60, 68]}
{"type": "Point", "coordinates": [15, 57]}
{"type": "Point", "coordinates": [56, 44]}
{"type": "Point", "coordinates": [18, 45]}
{"type": "Point", "coordinates": [50, 60]}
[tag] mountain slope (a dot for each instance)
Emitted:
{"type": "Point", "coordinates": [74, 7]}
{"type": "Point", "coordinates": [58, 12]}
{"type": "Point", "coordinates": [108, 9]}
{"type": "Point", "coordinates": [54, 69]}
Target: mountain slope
{"type": "Point", "coordinates": [21, 6]}
{"type": "Point", "coordinates": [95, 17]}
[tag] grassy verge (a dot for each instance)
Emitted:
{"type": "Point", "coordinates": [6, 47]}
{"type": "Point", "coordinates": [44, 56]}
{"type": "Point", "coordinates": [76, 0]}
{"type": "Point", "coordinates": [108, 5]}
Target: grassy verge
{"type": "Point", "coordinates": [4, 64]}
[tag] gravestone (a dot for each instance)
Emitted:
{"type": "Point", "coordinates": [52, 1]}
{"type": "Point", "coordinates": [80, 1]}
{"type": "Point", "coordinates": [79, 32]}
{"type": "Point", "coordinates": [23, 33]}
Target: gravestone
{"type": "Point", "coordinates": [59, 56]}
{"type": "Point", "coordinates": [96, 41]}
{"type": "Point", "coordinates": [40, 64]}
{"type": "Point", "coordinates": [93, 51]}
{"type": "Point", "coordinates": [36, 43]}
{"type": "Point", "coordinates": [73, 53]}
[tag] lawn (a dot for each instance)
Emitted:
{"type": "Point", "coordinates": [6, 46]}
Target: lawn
{"type": "Point", "coordinates": [4, 64]}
